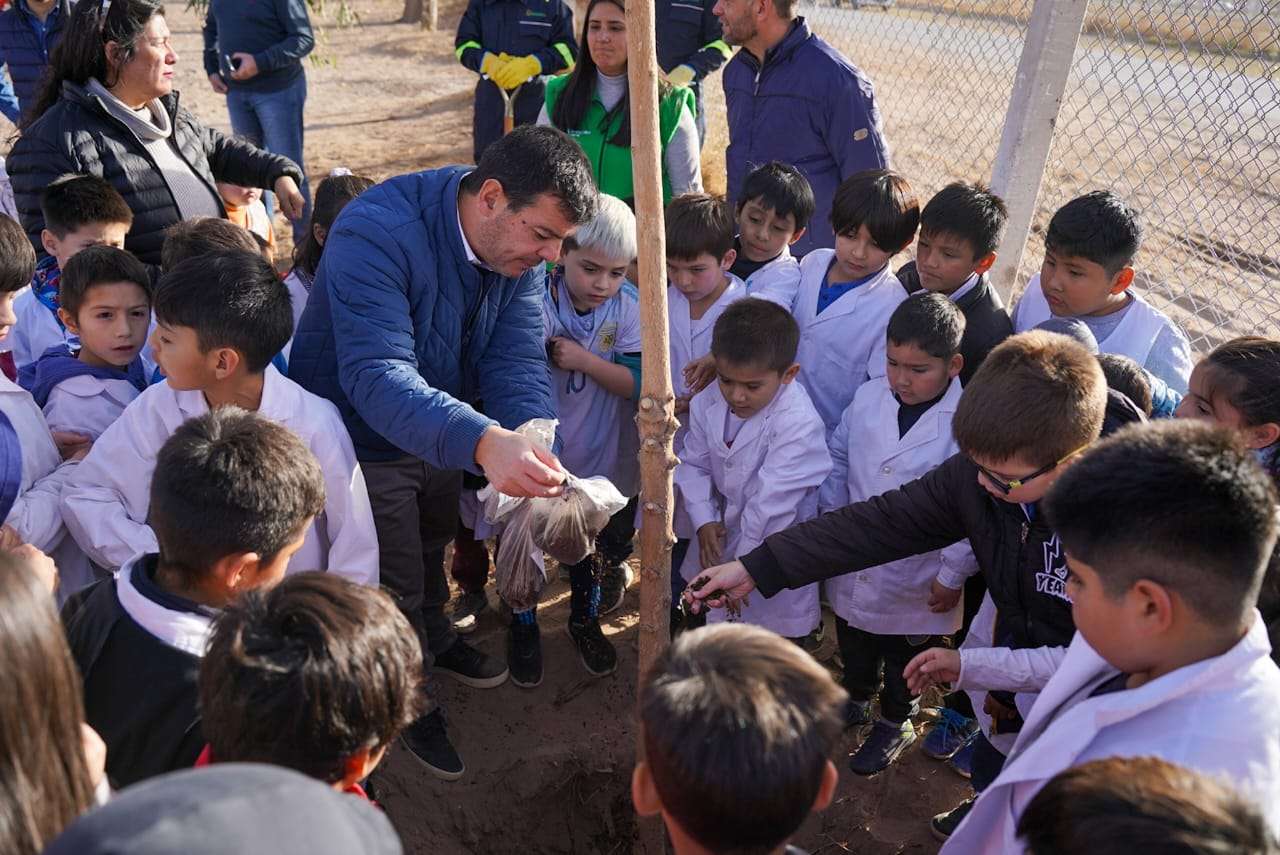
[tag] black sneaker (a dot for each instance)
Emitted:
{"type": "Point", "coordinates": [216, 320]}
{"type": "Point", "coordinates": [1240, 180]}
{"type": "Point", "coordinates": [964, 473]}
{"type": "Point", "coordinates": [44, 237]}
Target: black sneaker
{"type": "Point", "coordinates": [614, 581]}
{"type": "Point", "coordinates": [596, 651]}
{"type": "Point", "coordinates": [470, 667]}
{"type": "Point", "coordinates": [428, 742]}
{"type": "Point", "coordinates": [467, 610]}
{"type": "Point", "coordinates": [883, 745]}
{"type": "Point", "coordinates": [945, 824]}
{"type": "Point", "coordinates": [524, 654]}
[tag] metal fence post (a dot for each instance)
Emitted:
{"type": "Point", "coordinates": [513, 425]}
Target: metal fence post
{"type": "Point", "coordinates": [1045, 63]}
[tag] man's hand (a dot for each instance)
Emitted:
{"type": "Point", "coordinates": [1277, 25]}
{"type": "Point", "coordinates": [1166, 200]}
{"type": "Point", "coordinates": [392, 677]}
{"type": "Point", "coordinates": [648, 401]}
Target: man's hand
{"type": "Point", "coordinates": [725, 586]}
{"type": "Point", "coordinates": [518, 467]}
{"type": "Point", "coordinates": [567, 355]}
{"type": "Point", "coordinates": [289, 197]}
{"type": "Point", "coordinates": [699, 373]}
{"type": "Point", "coordinates": [935, 666]}
{"type": "Point", "coordinates": [219, 85]}
{"type": "Point", "coordinates": [941, 598]}
{"type": "Point", "coordinates": [710, 544]}
{"type": "Point", "coordinates": [247, 68]}
{"type": "Point", "coordinates": [72, 445]}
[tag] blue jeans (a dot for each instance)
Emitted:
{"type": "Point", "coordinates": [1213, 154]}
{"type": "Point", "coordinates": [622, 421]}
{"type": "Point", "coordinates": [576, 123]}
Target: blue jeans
{"type": "Point", "coordinates": [273, 121]}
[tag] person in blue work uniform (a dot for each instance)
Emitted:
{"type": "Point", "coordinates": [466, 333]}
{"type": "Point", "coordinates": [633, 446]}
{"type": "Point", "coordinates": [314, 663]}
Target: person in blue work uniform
{"type": "Point", "coordinates": [510, 43]}
{"type": "Point", "coordinates": [29, 30]}
{"type": "Point", "coordinates": [690, 47]}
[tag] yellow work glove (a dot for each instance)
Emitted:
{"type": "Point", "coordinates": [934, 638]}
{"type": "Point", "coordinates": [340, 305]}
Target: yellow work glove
{"type": "Point", "coordinates": [681, 75]}
{"type": "Point", "coordinates": [517, 71]}
{"type": "Point", "coordinates": [492, 62]}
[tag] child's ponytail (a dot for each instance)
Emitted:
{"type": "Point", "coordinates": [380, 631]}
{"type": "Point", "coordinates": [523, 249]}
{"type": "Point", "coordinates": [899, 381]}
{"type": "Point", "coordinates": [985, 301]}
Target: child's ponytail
{"type": "Point", "coordinates": [1247, 371]}
{"type": "Point", "coordinates": [332, 196]}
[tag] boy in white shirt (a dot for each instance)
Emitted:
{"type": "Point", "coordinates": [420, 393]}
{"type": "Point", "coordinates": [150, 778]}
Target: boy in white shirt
{"type": "Point", "coordinates": [755, 454]}
{"type": "Point", "coordinates": [848, 293]}
{"type": "Point", "coordinates": [1167, 529]}
{"type": "Point", "coordinates": [220, 317]}
{"type": "Point", "coordinates": [774, 209]}
{"type": "Point", "coordinates": [897, 429]}
{"type": "Point", "coordinates": [1088, 274]}
{"type": "Point", "coordinates": [105, 302]}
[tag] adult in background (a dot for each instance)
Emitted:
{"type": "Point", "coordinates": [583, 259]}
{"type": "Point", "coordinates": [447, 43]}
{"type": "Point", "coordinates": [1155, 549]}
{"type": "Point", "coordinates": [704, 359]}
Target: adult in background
{"type": "Point", "coordinates": [690, 47]}
{"type": "Point", "coordinates": [792, 97]}
{"type": "Point", "coordinates": [253, 52]}
{"type": "Point", "coordinates": [592, 105]}
{"type": "Point", "coordinates": [427, 301]}
{"type": "Point", "coordinates": [29, 31]}
{"type": "Point", "coordinates": [108, 108]}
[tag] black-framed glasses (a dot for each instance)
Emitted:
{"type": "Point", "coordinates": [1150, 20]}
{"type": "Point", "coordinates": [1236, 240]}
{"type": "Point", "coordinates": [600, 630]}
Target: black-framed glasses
{"type": "Point", "coordinates": [1007, 487]}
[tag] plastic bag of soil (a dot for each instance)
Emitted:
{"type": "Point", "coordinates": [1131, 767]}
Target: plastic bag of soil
{"type": "Point", "coordinates": [564, 527]}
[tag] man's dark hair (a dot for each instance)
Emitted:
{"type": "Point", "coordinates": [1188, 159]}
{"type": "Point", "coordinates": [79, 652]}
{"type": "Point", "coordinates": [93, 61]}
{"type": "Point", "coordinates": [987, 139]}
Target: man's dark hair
{"type": "Point", "coordinates": [1097, 226]}
{"type": "Point", "coordinates": [1128, 378]}
{"type": "Point", "coordinates": [229, 482]}
{"type": "Point", "coordinates": [96, 265]}
{"type": "Point", "coordinates": [739, 725]}
{"type": "Point", "coordinates": [699, 224]}
{"type": "Point", "coordinates": [307, 674]}
{"type": "Point", "coordinates": [881, 200]}
{"type": "Point", "coordinates": [929, 321]}
{"type": "Point", "coordinates": [758, 333]}
{"type": "Point", "coordinates": [781, 188]}
{"type": "Point", "coordinates": [533, 160]}
{"type": "Point", "coordinates": [201, 235]}
{"type": "Point", "coordinates": [17, 257]}
{"type": "Point", "coordinates": [970, 212]}
{"type": "Point", "coordinates": [75, 201]}
{"type": "Point", "coordinates": [230, 298]}
{"type": "Point", "coordinates": [1199, 515]}
{"type": "Point", "coordinates": [1125, 805]}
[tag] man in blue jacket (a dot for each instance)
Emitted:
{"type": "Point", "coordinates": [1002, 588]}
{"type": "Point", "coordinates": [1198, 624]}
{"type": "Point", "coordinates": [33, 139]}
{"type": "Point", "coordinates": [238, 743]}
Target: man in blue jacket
{"type": "Point", "coordinates": [792, 97]}
{"type": "Point", "coordinates": [253, 54]}
{"type": "Point", "coordinates": [29, 30]}
{"type": "Point", "coordinates": [428, 301]}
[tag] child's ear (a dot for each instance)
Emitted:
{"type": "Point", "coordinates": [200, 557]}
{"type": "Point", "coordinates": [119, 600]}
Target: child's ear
{"type": "Point", "coordinates": [1263, 435]}
{"type": "Point", "coordinates": [235, 572]}
{"type": "Point", "coordinates": [49, 241]}
{"type": "Point", "coordinates": [729, 258]}
{"type": "Point", "coordinates": [225, 362]}
{"type": "Point", "coordinates": [955, 366]}
{"type": "Point", "coordinates": [644, 795]}
{"type": "Point", "coordinates": [827, 790]}
{"type": "Point", "coordinates": [1122, 280]}
{"type": "Point", "coordinates": [68, 320]}
{"type": "Point", "coordinates": [790, 373]}
{"type": "Point", "coordinates": [799, 233]}
{"type": "Point", "coordinates": [984, 264]}
{"type": "Point", "coordinates": [319, 232]}
{"type": "Point", "coordinates": [1155, 606]}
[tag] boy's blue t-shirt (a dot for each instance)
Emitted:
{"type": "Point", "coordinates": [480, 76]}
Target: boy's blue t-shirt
{"type": "Point", "coordinates": [832, 291]}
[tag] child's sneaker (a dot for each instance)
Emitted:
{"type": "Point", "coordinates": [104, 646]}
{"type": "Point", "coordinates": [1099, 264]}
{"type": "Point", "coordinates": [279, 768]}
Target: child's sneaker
{"type": "Point", "coordinates": [596, 651]}
{"type": "Point", "coordinates": [944, 824]}
{"type": "Point", "coordinates": [614, 581]}
{"type": "Point", "coordinates": [882, 746]}
{"type": "Point", "coordinates": [856, 713]}
{"type": "Point", "coordinates": [524, 654]}
{"type": "Point", "coordinates": [948, 734]}
{"type": "Point", "coordinates": [962, 761]}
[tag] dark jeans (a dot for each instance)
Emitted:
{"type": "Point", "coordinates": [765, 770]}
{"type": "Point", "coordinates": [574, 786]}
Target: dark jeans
{"type": "Point", "coordinates": [975, 588]}
{"type": "Point", "coordinates": [487, 118]}
{"type": "Point", "coordinates": [415, 510]}
{"type": "Point", "coordinates": [470, 566]}
{"type": "Point", "coordinates": [865, 652]}
{"type": "Point", "coordinates": [273, 121]}
{"type": "Point", "coordinates": [986, 765]}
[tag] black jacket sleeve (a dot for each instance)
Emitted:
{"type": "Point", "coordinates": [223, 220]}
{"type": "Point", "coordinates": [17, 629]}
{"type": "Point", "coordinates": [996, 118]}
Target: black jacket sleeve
{"type": "Point", "coordinates": [468, 45]}
{"type": "Point", "coordinates": [236, 161]}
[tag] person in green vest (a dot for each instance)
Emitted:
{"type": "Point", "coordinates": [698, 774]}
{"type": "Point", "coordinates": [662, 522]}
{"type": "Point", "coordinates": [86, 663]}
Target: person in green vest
{"type": "Point", "coordinates": [591, 105]}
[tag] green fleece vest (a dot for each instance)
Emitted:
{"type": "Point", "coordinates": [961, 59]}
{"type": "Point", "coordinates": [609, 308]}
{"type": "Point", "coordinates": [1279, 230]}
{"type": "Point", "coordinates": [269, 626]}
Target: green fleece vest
{"type": "Point", "coordinates": [611, 164]}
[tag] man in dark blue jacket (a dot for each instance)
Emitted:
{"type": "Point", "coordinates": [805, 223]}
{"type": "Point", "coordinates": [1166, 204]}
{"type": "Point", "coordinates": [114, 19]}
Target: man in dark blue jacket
{"type": "Point", "coordinates": [690, 46]}
{"type": "Point", "coordinates": [253, 54]}
{"type": "Point", "coordinates": [29, 30]}
{"type": "Point", "coordinates": [792, 97]}
{"type": "Point", "coordinates": [428, 301]}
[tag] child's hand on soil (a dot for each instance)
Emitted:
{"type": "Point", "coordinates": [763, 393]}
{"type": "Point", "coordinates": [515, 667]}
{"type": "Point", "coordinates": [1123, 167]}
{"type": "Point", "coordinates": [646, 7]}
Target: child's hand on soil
{"type": "Point", "coordinates": [941, 598]}
{"type": "Point", "coordinates": [568, 355]}
{"type": "Point", "coordinates": [935, 666]}
{"type": "Point", "coordinates": [710, 544]}
{"type": "Point", "coordinates": [699, 373]}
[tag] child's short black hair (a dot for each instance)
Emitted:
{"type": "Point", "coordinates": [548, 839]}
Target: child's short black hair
{"type": "Point", "coordinates": [738, 726]}
{"type": "Point", "coordinates": [1198, 513]}
{"type": "Point", "coordinates": [200, 235]}
{"type": "Point", "coordinates": [231, 299]}
{"type": "Point", "coordinates": [307, 674]}
{"type": "Point", "coordinates": [96, 265]}
{"type": "Point", "coordinates": [75, 201]}
{"type": "Point", "coordinates": [1122, 805]}
{"type": "Point", "coordinates": [967, 211]}
{"type": "Point", "coordinates": [1128, 378]}
{"type": "Point", "coordinates": [17, 257]}
{"type": "Point", "coordinates": [881, 200]}
{"type": "Point", "coordinates": [699, 224]}
{"type": "Point", "coordinates": [781, 188]}
{"type": "Point", "coordinates": [929, 321]}
{"type": "Point", "coordinates": [228, 482]}
{"type": "Point", "coordinates": [756, 332]}
{"type": "Point", "coordinates": [1097, 226]}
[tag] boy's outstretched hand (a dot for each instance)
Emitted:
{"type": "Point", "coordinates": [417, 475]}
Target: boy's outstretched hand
{"type": "Point", "coordinates": [935, 666]}
{"type": "Point", "coordinates": [729, 583]}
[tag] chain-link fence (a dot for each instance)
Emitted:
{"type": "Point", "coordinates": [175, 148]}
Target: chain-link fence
{"type": "Point", "coordinates": [1175, 106]}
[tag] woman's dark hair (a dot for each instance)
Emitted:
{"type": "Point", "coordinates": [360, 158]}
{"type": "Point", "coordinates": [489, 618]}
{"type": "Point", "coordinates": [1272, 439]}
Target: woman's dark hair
{"type": "Point", "coordinates": [82, 53]}
{"type": "Point", "coordinates": [44, 779]}
{"type": "Point", "coordinates": [332, 196]}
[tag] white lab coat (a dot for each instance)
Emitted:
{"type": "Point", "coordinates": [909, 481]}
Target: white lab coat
{"type": "Point", "coordinates": [35, 329]}
{"type": "Point", "coordinates": [88, 405]}
{"type": "Point", "coordinates": [1133, 337]}
{"type": "Point", "coordinates": [105, 502]}
{"type": "Point", "coordinates": [777, 281]}
{"type": "Point", "coordinates": [869, 459]}
{"type": "Point", "coordinates": [844, 346]}
{"type": "Point", "coordinates": [768, 480]}
{"type": "Point", "coordinates": [299, 292]}
{"type": "Point", "coordinates": [1219, 717]}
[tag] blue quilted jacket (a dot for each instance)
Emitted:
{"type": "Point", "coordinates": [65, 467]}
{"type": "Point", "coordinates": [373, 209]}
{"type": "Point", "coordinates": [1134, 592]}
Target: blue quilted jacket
{"type": "Point", "coordinates": [404, 334]}
{"type": "Point", "coordinates": [25, 50]}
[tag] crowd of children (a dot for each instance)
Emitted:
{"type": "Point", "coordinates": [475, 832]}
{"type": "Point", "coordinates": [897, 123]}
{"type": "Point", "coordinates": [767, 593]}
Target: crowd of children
{"type": "Point", "coordinates": [972, 495]}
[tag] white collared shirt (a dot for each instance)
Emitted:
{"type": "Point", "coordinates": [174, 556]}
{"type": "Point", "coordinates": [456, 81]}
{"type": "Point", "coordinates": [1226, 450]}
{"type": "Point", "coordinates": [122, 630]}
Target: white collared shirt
{"type": "Point", "coordinates": [466, 244]}
{"type": "Point", "coordinates": [968, 286]}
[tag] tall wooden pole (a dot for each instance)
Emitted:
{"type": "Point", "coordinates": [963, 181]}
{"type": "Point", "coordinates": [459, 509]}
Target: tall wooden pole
{"type": "Point", "coordinates": [656, 416]}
